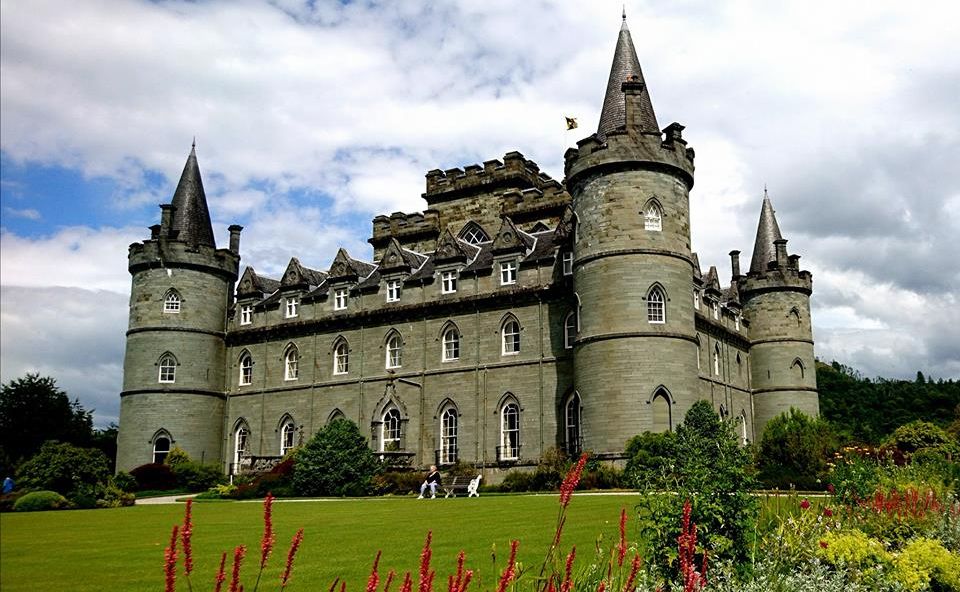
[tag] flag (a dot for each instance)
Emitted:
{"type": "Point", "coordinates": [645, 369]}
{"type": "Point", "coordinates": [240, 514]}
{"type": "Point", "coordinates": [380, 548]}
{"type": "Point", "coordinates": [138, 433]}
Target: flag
{"type": "Point", "coordinates": [571, 122]}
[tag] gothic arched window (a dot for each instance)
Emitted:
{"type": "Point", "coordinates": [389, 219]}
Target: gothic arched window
{"type": "Point", "coordinates": [390, 430]}
{"type": "Point", "coordinates": [448, 435]}
{"type": "Point", "coordinates": [656, 306]}
{"type": "Point", "coordinates": [168, 368]}
{"type": "Point", "coordinates": [653, 217]}
{"type": "Point", "coordinates": [510, 333]}
{"type": "Point", "coordinates": [171, 302]}
{"type": "Point", "coordinates": [570, 330]}
{"type": "Point", "coordinates": [509, 431]}
{"type": "Point", "coordinates": [571, 414]}
{"type": "Point", "coordinates": [394, 356]}
{"type": "Point", "coordinates": [288, 432]}
{"type": "Point", "coordinates": [291, 364]}
{"type": "Point", "coordinates": [246, 369]}
{"type": "Point", "coordinates": [451, 344]}
{"type": "Point", "coordinates": [341, 357]}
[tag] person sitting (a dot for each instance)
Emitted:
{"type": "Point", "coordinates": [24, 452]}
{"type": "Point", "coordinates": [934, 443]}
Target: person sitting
{"type": "Point", "coordinates": [432, 481]}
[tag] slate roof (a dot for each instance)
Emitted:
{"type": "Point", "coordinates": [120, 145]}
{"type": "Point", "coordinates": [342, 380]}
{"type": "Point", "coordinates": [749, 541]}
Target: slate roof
{"type": "Point", "coordinates": [191, 219]}
{"type": "Point", "coordinates": [767, 231]}
{"type": "Point", "coordinates": [625, 66]}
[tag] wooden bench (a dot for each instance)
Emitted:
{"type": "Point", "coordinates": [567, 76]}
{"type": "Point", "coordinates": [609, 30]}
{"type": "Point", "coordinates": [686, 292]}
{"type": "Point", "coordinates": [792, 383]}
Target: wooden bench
{"type": "Point", "coordinates": [462, 484]}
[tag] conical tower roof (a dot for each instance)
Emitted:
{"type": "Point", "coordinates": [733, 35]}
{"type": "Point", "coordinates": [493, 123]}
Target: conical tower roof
{"type": "Point", "coordinates": [767, 231]}
{"type": "Point", "coordinates": [626, 66]}
{"type": "Point", "coordinates": [191, 219]}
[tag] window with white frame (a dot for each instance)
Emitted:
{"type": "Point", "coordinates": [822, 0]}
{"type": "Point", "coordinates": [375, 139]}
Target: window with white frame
{"type": "Point", "coordinates": [448, 282]}
{"type": "Point", "coordinates": [171, 303]}
{"type": "Point", "coordinates": [572, 416]}
{"type": "Point", "coordinates": [168, 368]}
{"type": "Point", "coordinates": [451, 344]}
{"type": "Point", "coordinates": [340, 297]}
{"type": "Point", "coordinates": [699, 352]}
{"type": "Point", "coordinates": [736, 322]}
{"type": "Point", "coordinates": [652, 217]}
{"type": "Point", "coordinates": [696, 299]}
{"type": "Point", "coordinates": [716, 360]}
{"type": "Point", "coordinates": [241, 442]}
{"type": "Point", "coordinates": [716, 309]}
{"type": "Point", "coordinates": [511, 337]}
{"type": "Point", "coordinates": [656, 306]}
{"type": "Point", "coordinates": [288, 433]}
{"type": "Point", "coordinates": [393, 291]}
{"type": "Point", "coordinates": [394, 351]}
{"type": "Point", "coordinates": [567, 263]}
{"type": "Point", "coordinates": [448, 436]}
{"type": "Point", "coordinates": [291, 364]}
{"type": "Point", "coordinates": [473, 234]}
{"type": "Point", "coordinates": [161, 448]}
{"type": "Point", "coordinates": [570, 330]}
{"type": "Point", "coordinates": [293, 304]}
{"type": "Point", "coordinates": [341, 357]}
{"type": "Point", "coordinates": [510, 431]}
{"type": "Point", "coordinates": [390, 430]}
{"type": "Point", "coordinates": [246, 314]}
{"type": "Point", "coordinates": [246, 369]}
{"type": "Point", "coordinates": [508, 273]}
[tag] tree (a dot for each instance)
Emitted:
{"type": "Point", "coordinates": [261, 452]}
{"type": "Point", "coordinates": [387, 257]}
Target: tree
{"type": "Point", "coordinates": [66, 469]}
{"type": "Point", "coordinates": [794, 450]}
{"type": "Point", "coordinates": [33, 410]}
{"type": "Point", "coordinates": [336, 462]}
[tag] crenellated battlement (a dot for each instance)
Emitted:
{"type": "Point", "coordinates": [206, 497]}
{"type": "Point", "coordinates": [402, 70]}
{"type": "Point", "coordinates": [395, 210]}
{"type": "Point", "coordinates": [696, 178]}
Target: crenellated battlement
{"type": "Point", "coordinates": [783, 273]}
{"type": "Point", "coordinates": [514, 171]}
{"type": "Point", "coordinates": [162, 253]}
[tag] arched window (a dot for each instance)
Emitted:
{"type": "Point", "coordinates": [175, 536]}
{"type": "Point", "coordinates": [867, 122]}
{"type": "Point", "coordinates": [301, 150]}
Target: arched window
{"type": "Point", "coordinates": [743, 427]}
{"type": "Point", "coordinates": [246, 369]}
{"type": "Point", "coordinates": [390, 430]}
{"type": "Point", "coordinates": [662, 411]}
{"type": "Point", "coordinates": [574, 443]}
{"type": "Point", "coordinates": [509, 431]}
{"type": "Point", "coordinates": [161, 447]}
{"type": "Point", "coordinates": [168, 368]}
{"type": "Point", "coordinates": [656, 306]}
{"type": "Point", "coordinates": [335, 415]}
{"type": "Point", "coordinates": [451, 344]}
{"type": "Point", "coordinates": [341, 357]}
{"type": "Point", "coordinates": [699, 351]}
{"type": "Point", "coordinates": [652, 217]}
{"type": "Point", "coordinates": [241, 450]}
{"type": "Point", "coordinates": [171, 302]}
{"type": "Point", "coordinates": [570, 330]}
{"type": "Point", "coordinates": [511, 337]}
{"type": "Point", "coordinates": [394, 358]}
{"type": "Point", "coordinates": [291, 364]}
{"type": "Point", "coordinates": [739, 365]}
{"type": "Point", "coordinates": [288, 432]}
{"type": "Point", "coordinates": [716, 359]}
{"type": "Point", "coordinates": [448, 436]}
{"type": "Point", "coordinates": [696, 299]}
{"type": "Point", "coordinates": [798, 369]}
{"type": "Point", "coordinates": [473, 234]}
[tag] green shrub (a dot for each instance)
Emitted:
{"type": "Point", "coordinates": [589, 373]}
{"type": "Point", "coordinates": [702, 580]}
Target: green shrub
{"type": "Point", "coordinates": [114, 497]}
{"type": "Point", "coordinates": [397, 482]}
{"type": "Point", "coordinates": [852, 549]}
{"type": "Point", "coordinates": [64, 467]}
{"type": "Point", "coordinates": [124, 481]}
{"type": "Point", "coordinates": [794, 451]}
{"type": "Point", "coordinates": [38, 501]}
{"type": "Point", "coordinates": [921, 435]}
{"type": "Point", "coordinates": [177, 456]}
{"type": "Point", "coordinates": [336, 461]}
{"type": "Point", "coordinates": [650, 458]}
{"type": "Point", "coordinates": [154, 477]}
{"type": "Point", "coordinates": [602, 477]}
{"type": "Point", "coordinates": [194, 476]}
{"type": "Point", "coordinates": [924, 562]}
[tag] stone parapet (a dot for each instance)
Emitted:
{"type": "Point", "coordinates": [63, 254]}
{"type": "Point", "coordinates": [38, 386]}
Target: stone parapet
{"type": "Point", "coordinates": [162, 253]}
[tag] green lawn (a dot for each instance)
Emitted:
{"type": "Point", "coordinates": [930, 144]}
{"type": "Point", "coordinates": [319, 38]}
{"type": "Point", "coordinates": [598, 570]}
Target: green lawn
{"type": "Point", "coordinates": [122, 549]}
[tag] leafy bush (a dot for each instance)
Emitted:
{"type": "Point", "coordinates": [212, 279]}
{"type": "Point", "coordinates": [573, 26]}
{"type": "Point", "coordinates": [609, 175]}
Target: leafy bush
{"type": "Point", "coordinates": [38, 501]}
{"type": "Point", "coordinates": [852, 549]}
{"type": "Point", "coordinates": [154, 476]}
{"type": "Point", "coordinates": [924, 562]}
{"type": "Point", "coordinates": [194, 476]}
{"type": "Point", "coordinates": [114, 497]}
{"type": "Point", "coordinates": [397, 482]}
{"type": "Point", "coordinates": [650, 458]}
{"type": "Point", "coordinates": [794, 451]}
{"type": "Point", "coordinates": [336, 461]}
{"type": "Point", "coordinates": [177, 456]}
{"type": "Point", "coordinates": [124, 481]}
{"type": "Point", "coordinates": [65, 468]}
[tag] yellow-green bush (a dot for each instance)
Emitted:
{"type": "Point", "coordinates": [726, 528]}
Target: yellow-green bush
{"type": "Point", "coordinates": [925, 561]}
{"type": "Point", "coordinates": [852, 548]}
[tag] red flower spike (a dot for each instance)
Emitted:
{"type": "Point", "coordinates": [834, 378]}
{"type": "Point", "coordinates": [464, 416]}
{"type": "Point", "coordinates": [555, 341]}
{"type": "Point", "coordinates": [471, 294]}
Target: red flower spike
{"type": "Point", "coordinates": [622, 548]}
{"type": "Point", "coordinates": [423, 583]}
{"type": "Point", "coordinates": [568, 571]}
{"type": "Point", "coordinates": [455, 585]}
{"type": "Point", "coordinates": [333, 586]}
{"type": "Point", "coordinates": [291, 554]}
{"type": "Point", "coordinates": [467, 576]}
{"type": "Point", "coordinates": [390, 576]}
{"type": "Point", "coordinates": [266, 543]}
{"type": "Point", "coordinates": [221, 573]}
{"type": "Point", "coordinates": [238, 554]}
{"type": "Point", "coordinates": [374, 580]}
{"type": "Point", "coordinates": [824, 544]}
{"type": "Point", "coordinates": [407, 583]}
{"type": "Point", "coordinates": [571, 481]}
{"type": "Point", "coordinates": [343, 587]}
{"type": "Point", "coordinates": [186, 534]}
{"type": "Point", "coordinates": [828, 512]}
{"type": "Point", "coordinates": [602, 586]}
{"type": "Point", "coordinates": [510, 570]}
{"type": "Point", "coordinates": [634, 568]}
{"type": "Point", "coordinates": [170, 562]}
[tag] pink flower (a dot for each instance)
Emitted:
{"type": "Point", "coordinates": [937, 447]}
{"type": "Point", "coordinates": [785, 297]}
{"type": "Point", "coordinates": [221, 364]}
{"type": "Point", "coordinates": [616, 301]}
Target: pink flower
{"type": "Point", "coordinates": [568, 571]}
{"type": "Point", "coordinates": [407, 583]}
{"type": "Point", "coordinates": [634, 568]}
{"type": "Point", "coordinates": [390, 576]}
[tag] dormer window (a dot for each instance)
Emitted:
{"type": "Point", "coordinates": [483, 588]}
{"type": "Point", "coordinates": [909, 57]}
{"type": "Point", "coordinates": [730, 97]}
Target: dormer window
{"type": "Point", "coordinates": [171, 303]}
{"type": "Point", "coordinates": [246, 314]}
{"type": "Point", "coordinates": [340, 297]}
{"type": "Point", "coordinates": [448, 282]}
{"type": "Point", "coordinates": [568, 263]}
{"type": "Point", "coordinates": [292, 309]}
{"type": "Point", "coordinates": [393, 291]}
{"type": "Point", "coordinates": [508, 273]}
{"type": "Point", "coordinates": [473, 234]}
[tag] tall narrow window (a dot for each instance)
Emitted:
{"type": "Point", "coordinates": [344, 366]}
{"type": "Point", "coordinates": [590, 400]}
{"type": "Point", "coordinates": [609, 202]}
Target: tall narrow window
{"type": "Point", "coordinates": [662, 411]}
{"type": "Point", "coordinates": [572, 414]}
{"type": "Point", "coordinates": [161, 448]}
{"type": "Point", "coordinates": [795, 316]}
{"type": "Point", "coordinates": [168, 368]}
{"type": "Point", "coordinates": [288, 434]}
{"type": "Point", "coordinates": [696, 299]}
{"type": "Point", "coordinates": [448, 436]}
{"type": "Point", "coordinates": [291, 362]}
{"type": "Point", "coordinates": [652, 217]}
{"type": "Point", "coordinates": [448, 282]}
{"type": "Point", "coordinates": [510, 432]}
{"type": "Point", "coordinates": [569, 330]}
{"type": "Point", "coordinates": [246, 369]}
{"type": "Point", "coordinates": [451, 344]}
{"type": "Point", "coordinates": [341, 357]}
{"type": "Point", "coordinates": [246, 314]}
{"type": "Point", "coordinates": [241, 442]}
{"type": "Point", "coordinates": [511, 338]}
{"type": "Point", "coordinates": [716, 360]}
{"type": "Point", "coordinates": [292, 307]}
{"type": "Point", "coordinates": [739, 366]}
{"type": "Point", "coordinates": [716, 309]}
{"type": "Point", "coordinates": [394, 351]}
{"type": "Point", "coordinates": [568, 263]}
{"type": "Point", "coordinates": [390, 430]}
{"type": "Point", "coordinates": [171, 304]}
{"type": "Point", "coordinates": [656, 306]}
{"type": "Point", "coordinates": [736, 322]}
{"type": "Point", "coordinates": [508, 273]}
{"type": "Point", "coordinates": [340, 296]}
{"type": "Point", "coordinates": [393, 291]}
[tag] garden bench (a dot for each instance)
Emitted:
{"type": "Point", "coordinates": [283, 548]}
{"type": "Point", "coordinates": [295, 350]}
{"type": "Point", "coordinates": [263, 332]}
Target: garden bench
{"type": "Point", "coordinates": [462, 483]}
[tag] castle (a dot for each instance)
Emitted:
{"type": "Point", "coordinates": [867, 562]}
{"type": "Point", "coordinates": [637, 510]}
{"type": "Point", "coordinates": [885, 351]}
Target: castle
{"type": "Point", "coordinates": [515, 314]}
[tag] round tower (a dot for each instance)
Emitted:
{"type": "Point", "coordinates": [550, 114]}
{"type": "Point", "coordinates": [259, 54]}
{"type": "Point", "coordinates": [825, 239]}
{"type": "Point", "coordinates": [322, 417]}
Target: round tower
{"type": "Point", "coordinates": [173, 372]}
{"type": "Point", "coordinates": [776, 302]}
{"type": "Point", "coordinates": [635, 358]}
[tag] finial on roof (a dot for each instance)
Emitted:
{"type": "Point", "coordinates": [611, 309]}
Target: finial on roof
{"type": "Point", "coordinates": [193, 146]}
{"type": "Point", "coordinates": [765, 191]}
{"type": "Point", "coordinates": [624, 12]}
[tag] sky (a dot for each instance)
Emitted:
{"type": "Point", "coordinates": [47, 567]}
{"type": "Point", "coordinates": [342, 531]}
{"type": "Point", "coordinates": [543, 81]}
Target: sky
{"type": "Point", "coordinates": [312, 117]}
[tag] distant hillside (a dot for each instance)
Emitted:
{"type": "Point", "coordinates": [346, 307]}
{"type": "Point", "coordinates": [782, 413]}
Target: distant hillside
{"type": "Point", "coordinates": [866, 410]}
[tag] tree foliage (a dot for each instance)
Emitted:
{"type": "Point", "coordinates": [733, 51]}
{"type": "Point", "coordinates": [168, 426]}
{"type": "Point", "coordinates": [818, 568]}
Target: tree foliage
{"type": "Point", "coordinates": [335, 462]}
{"type": "Point", "coordinates": [794, 451]}
{"type": "Point", "coordinates": [64, 468]}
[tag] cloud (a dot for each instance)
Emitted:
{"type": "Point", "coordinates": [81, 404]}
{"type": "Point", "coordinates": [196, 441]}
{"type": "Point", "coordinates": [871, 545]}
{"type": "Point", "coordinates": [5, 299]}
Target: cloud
{"type": "Point", "coordinates": [27, 213]}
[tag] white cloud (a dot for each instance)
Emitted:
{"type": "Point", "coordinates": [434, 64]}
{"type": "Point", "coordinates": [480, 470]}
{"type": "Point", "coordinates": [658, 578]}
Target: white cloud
{"type": "Point", "coordinates": [27, 213]}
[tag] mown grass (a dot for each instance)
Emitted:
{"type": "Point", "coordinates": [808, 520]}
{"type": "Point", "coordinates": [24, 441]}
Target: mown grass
{"type": "Point", "coordinates": [122, 549]}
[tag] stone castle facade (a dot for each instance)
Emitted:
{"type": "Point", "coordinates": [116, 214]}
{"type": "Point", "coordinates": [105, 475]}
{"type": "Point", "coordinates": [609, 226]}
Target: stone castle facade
{"type": "Point", "coordinates": [515, 314]}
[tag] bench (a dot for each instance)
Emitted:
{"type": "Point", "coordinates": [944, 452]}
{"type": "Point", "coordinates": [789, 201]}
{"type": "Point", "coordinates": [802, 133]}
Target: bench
{"type": "Point", "coordinates": [462, 484]}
